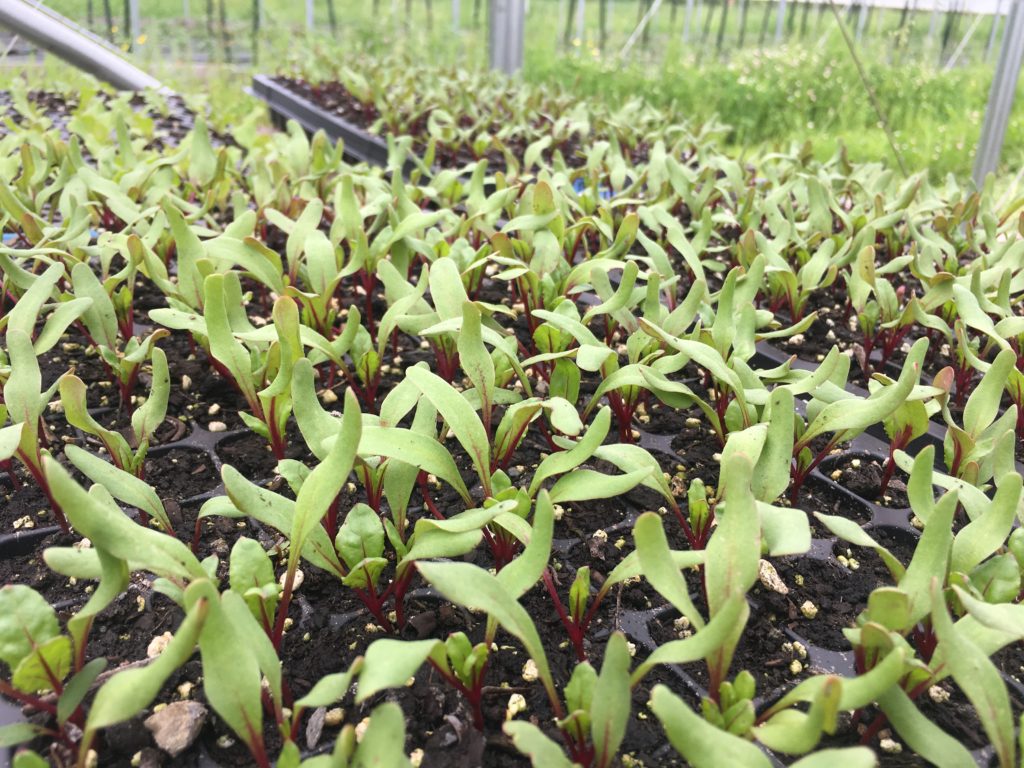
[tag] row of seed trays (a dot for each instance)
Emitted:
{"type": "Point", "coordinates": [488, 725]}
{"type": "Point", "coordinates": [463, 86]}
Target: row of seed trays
{"type": "Point", "coordinates": [598, 458]}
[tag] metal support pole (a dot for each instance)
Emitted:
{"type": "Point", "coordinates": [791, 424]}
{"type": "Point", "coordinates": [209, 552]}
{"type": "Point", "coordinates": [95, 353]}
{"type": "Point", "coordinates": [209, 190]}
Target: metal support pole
{"type": "Point", "coordinates": [640, 28]}
{"type": "Point", "coordinates": [994, 30]}
{"type": "Point", "coordinates": [506, 35]}
{"type": "Point", "coordinates": [75, 45]}
{"type": "Point", "coordinates": [862, 17]}
{"type": "Point", "coordinates": [688, 21]}
{"type": "Point", "coordinates": [1000, 98]}
{"type": "Point", "coordinates": [309, 15]}
{"type": "Point", "coordinates": [456, 15]}
{"type": "Point", "coordinates": [780, 19]}
{"type": "Point", "coordinates": [136, 30]}
{"type": "Point", "coordinates": [580, 20]}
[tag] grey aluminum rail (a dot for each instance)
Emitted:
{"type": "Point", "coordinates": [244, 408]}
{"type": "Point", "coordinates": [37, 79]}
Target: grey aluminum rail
{"type": "Point", "coordinates": [75, 45]}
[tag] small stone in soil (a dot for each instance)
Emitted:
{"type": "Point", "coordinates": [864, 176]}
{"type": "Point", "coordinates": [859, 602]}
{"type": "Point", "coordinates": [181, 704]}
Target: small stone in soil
{"type": "Point", "coordinates": [177, 725]}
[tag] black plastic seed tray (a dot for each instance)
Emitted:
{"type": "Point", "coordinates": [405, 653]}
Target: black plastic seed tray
{"type": "Point", "coordinates": [286, 105]}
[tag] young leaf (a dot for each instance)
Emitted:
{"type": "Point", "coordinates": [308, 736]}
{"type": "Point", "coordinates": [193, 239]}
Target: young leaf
{"type": "Point", "coordinates": [102, 522]}
{"type": "Point", "coordinates": [979, 679]}
{"type": "Point", "coordinates": [26, 621]}
{"type": "Point", "coordinates": [460, 416]}
{"type": "Point", "coordinates": [609, 711]}
{"type": "Point", "coordinates": [921, 734]}
{"type": "Point", "coordinates": [326, 480]}
{"type": "Point", "coordinates": [702, 744]}
{"type": "Point", "coordinates": [475, 360]}
{"type": "Point", "coordinates": [531, 741]}
{"type": "Point", "coordinates": [390, 663]}
{"type": "Point", "coordinates": [474, 588]}
{"type": "Point", "coordinates": [331, 688]}
{"type": "Point", "coordinates": [658, 568]}
{"type": "Point", "coordinates": [122, 485]}
{"type": "Point", "coordinates": [519, 576]}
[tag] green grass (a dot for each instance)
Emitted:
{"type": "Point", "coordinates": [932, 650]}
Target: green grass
{"type": "Point", "coordinates": [806, 89]}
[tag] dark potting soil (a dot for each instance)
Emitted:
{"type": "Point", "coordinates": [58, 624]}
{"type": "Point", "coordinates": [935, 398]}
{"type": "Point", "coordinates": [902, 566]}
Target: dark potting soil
{"type": "Point", "coordinates": [171, 122]}
{"type": "Point", "coordinates": [764, 649]}
{"type": "Point", "coordinates": [862, 475]}
{"type": "Point", "coordinates": [180, 474]}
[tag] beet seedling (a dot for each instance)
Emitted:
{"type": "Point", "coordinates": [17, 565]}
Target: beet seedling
{"type": "Point", "coordinates": [598, 708]}
{"type": "Point", "coordinates": [884, 320]}
{"type": "Point", "coordinates": [848, 416]}
{"type": "Point", "coordinates": [126, 455]}
{"type": "Point", "coordinates": [43, 677]}
{"type": "Point", "coordinates": [24, 405]}
{"type": "Point", "coordinates": [109, 326]}
{"type": "Point", "coordinates": [984, 444]}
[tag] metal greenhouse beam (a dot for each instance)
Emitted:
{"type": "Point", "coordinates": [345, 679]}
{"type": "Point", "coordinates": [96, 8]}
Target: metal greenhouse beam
{"type": "Point", "coordinates": [506, 35]}
{"type": "Point", "coordinates": [780, 20]}
{"type": "Point", "coordinates": [1000, 98]}
{"type": "Point", "coordinates": [75, 45]}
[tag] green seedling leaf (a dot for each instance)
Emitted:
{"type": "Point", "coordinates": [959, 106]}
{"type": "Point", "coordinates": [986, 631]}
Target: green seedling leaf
{"type": "Point", "coordinates": [361, 536]}
{"type": "Point", "coordinates": [857, 692]}
{"type": "Point", "coordinates": [921, 734]}
{"type": "Point", "coordinates": [531, 741]}
{"type": "Point", "coordinates": [224, 347]}
{"type": "Point", "coordinates": [795, 733]}
{"type": "Point", "coordinates": [700, 645]}
{"type": "Point", "coordinates": [383, 742]}
{"type": "Point", "coordinates": [983, 404]}
{"type": "Point", "coordinates": [609, 711]}
{"type": "Point", "coordinates": [325, 482]}
{"type": "Point", "coordinates": [850, 757]}
{"type": "Point", "coordinates": [848, 530]}
{"type": "Point", "coordinates": [231, 670]}
{"type": "Point", "coordinates": [474, 588]}
{"type": "Point", "coordinates": [519, 576]}
{"type": "Point", "coordinates": [273, 510]}
{"type": "Point", "coordinates": [21, 733]}
{"type": "Point", "coordinates": [121, 485]}
{"type": "Point", "coordinates": [475, 359]}
{"type": "Point", "coordinates": [978, 677]}
{"type": "Point", "coordinates": [45, 667]}
{"type": "Point", "coordinates": [77, 689]}
{"type": "Point", "coordinates": [699, 742]}
{"type": "Point", "coordinates": [331, 688]}
{"type": "Point", "coordinates": [100, 319]}
{"type": "Point", "coordinates": [251, 574]}
{"type": "Point", "coordinates": [460, 417]}
{"type": "Point", "coordinates": [585, 484]}
{"type": "Point", "coordinates": [986, 533]}
{"type": "Point", "coordinates": [10, 438]}
{"type": "Point", "coordinates": [854, 415]}
{"type": "Point", "coordinates": [931, 558]}
{"type": "Point", "coordinates": [565, 461]}
{"type": "Point", "coordinates": [150, 414]}
{"type": "Point", "coordinates": [390, 664]}
{"type": "Point", "coordinates": [26, 622]}
{"type": "Point", "coordinates": [416, 449]}
{"type": "Point", "coordinates": [659, 570]}
{"type": "Point", "coordinates": [105, 523]}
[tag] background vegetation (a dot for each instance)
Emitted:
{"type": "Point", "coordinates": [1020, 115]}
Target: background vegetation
{"type": "Point", "coordinates": [931, 75]}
